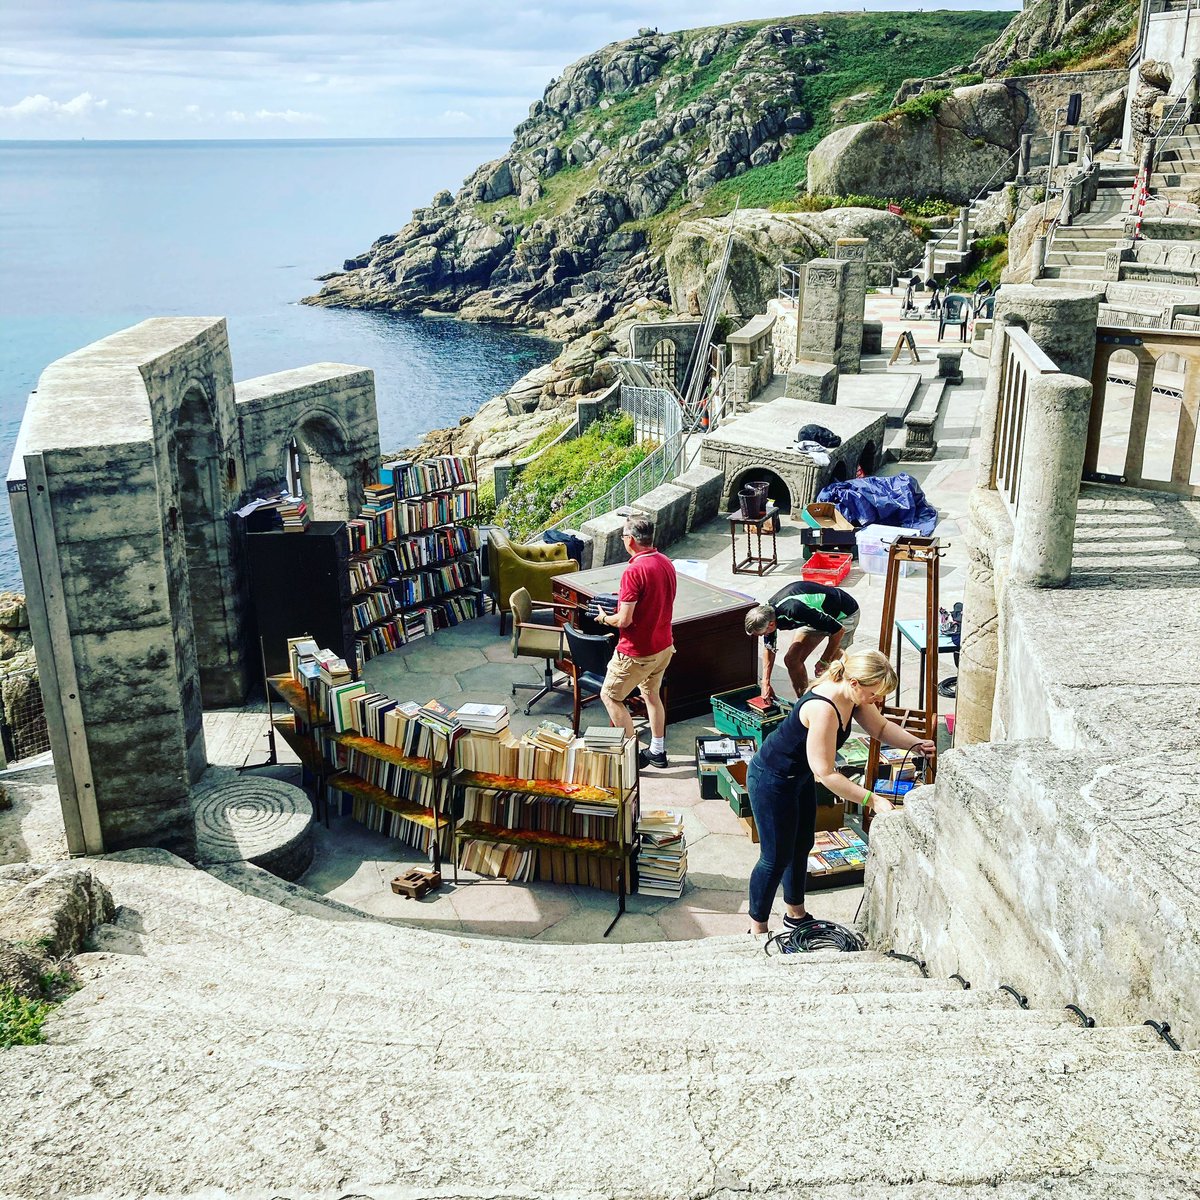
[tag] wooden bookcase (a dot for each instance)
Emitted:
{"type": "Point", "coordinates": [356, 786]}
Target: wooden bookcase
{"type": "Point", "coordinates": [606, 862]}
{"type": "Point", "coordinates": [298, 581]}
{"type": "Point", "coordinates": [414, 565]}
{"type": "Point", "coordinates": [344, 762]}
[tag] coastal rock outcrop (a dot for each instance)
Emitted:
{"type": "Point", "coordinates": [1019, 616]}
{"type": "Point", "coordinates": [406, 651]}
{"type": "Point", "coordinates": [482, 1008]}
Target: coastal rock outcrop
{"type": "Point", "coordinates": [567, 228]}
{"type": "Point", "coordinates": [762, 241]}
{"type": "Point", "coordinates": [948, 149]}
{"type": "Point", "coordinates": [1048, 25]}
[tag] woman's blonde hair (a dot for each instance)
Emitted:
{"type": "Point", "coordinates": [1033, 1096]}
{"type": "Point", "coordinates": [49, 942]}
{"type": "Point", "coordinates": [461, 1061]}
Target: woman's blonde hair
{"type": "Point", "coordinates": [870, 667]}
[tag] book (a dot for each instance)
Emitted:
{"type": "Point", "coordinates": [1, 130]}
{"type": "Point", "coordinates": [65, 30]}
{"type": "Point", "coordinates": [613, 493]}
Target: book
{"type": "Point", "coordinates": [483, 718]}
{"type": "Point", "coordinates": [758, 703]}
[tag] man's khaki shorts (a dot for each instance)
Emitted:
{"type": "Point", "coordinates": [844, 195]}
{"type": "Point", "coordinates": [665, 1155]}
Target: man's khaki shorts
{"type": "Point", "coordinates": [849, 625]}
{"type": "Point", "coordinates": [625, 673]}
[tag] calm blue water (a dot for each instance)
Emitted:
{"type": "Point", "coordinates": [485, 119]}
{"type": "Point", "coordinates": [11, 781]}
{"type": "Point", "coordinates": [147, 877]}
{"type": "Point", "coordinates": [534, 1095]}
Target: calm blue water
{"type": "Point", "coordinates": [95, 236]}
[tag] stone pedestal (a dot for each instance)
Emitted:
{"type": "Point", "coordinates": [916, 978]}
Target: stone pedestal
{"type": "Point", "coordinates": [950, 365]}
{"type": "Point", "coordinates": [853, 251]}
{"type": "Point", "coordinates": [872, 337]}
{"type": "Point", "coordinates": [823, 317]}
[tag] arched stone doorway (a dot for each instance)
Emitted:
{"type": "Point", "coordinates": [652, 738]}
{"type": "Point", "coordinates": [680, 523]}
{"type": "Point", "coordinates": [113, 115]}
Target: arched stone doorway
{"type": "Point", "coordinates": [777, 490]}
{"type": "Point", "coordinates": [207, 485]}
{"type": "Point", "coordinates": [313, 453]}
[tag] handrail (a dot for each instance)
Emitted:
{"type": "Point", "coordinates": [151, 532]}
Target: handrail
{"type": "Point", "coordinates": [1086, 163]}
{"type": "Point", "coordinates": [1175, 117]}
{"type": "Point", "coordinates": [978, 195]}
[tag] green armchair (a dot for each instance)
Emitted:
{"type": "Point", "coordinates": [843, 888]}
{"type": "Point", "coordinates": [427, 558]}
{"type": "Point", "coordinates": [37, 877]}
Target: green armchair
{"type": "Point", "coordinates": [531, 566]}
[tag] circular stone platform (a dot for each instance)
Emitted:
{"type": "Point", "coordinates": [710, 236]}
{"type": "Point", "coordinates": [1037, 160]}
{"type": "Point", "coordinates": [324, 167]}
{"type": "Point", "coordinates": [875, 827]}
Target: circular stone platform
{"type": "Point", "coordinates": [260, 821]}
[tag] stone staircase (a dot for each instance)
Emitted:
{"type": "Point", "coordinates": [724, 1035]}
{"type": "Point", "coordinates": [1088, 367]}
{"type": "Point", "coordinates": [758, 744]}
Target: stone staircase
{"type": "Point", "coordinates": [236, 1035]}
{"type": "Point", "coordinates": [1177, 170]}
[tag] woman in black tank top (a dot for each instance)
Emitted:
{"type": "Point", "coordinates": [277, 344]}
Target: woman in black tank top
{"type": "Point", "coordinates": [782, 776]}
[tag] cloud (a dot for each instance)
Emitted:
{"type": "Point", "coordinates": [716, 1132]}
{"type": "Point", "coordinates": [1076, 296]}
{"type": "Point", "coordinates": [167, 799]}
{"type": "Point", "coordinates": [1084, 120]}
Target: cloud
{"type": "Point", "coordinates": [455, 116]}
{"type": "Point", "coordinates": [40, 106]}
{"type": "Point", "coordinates": [290, 116]}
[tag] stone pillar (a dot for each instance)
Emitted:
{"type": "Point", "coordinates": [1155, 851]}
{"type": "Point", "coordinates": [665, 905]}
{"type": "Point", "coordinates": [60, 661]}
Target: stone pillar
{"type": "Point", "coordinates": [1063, 323]}
{"type": "Point", "coordinates": [1038, 255]}
{"type": "Point", "coordinates": [853, 251]}
{"type": "Point", "coordinates": [964, 229]}
{"type": "Point", "coordinates": [1058, 408]}
{"type": "Point", "coordinates": [929, 261]}
{"type": "Point", "coordinates": [1023, 153]}
{"type": "Point", "coordinates": [822, 320]}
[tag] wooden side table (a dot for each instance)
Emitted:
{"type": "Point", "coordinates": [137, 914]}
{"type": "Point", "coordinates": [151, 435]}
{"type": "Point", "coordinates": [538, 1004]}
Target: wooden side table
{"type": "Point", "coordinates": [755, 561]}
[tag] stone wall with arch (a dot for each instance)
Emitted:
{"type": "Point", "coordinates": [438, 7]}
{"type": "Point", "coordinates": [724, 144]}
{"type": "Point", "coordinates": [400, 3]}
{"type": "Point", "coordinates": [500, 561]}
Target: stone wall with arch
{"type": "Point", "coordinates": [132, 456]}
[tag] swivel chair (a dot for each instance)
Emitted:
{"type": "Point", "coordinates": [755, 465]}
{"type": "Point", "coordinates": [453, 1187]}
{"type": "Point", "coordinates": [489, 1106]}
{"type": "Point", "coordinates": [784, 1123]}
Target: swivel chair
{"type": "Point", "coordinates": [533, 639]}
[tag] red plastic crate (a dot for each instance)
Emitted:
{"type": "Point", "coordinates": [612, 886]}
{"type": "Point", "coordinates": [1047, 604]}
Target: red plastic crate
{"type": "Point", "coordinates": [823, 567]}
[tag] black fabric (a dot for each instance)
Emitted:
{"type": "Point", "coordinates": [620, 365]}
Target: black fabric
{"type": "Point", "coordinates": [785, 750]}
{"type": "Point", "coordinates": [820, 435]}
{"type": "Point", "coordinates": [573, 544]}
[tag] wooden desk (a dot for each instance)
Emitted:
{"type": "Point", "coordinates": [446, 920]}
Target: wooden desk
{"type": "Point", "coordinates": [712, 651]}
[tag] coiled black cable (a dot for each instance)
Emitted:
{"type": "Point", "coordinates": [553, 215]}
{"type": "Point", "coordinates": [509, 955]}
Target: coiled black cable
{"type": "Point", "coordinates": [815, 935]}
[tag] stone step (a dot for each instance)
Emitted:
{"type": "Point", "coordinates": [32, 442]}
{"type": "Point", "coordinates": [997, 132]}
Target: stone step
{"type": "Point", "coordinates": [343, 983]}
{"type": "Point", "coordinates": [1074, 273]}
{"type": "Point", "coordinates": [467, 1042]}
{"type": "Point", "coordinates": [1092, 285]}
{"type": "Point", "coordinates": [1070, 256]}
{"type": "Point", "coordinates": [159, 1121]}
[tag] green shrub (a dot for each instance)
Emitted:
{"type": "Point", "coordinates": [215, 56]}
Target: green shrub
{"type": "Point", "coordinates": [569, 476]}
{"type": "Point", "coordinates": [21, 1020]}
{"type": "Point", "coordinates": [922, 107]}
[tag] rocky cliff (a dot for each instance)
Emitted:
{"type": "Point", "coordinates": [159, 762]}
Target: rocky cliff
{"type": "Point", "coordinates": [569, 226]}
{"type": "Point", "coordinates": [1064, 27]}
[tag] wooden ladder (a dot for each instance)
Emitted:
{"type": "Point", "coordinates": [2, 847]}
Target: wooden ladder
{"type": "Point", "coordinates": [927, 551]}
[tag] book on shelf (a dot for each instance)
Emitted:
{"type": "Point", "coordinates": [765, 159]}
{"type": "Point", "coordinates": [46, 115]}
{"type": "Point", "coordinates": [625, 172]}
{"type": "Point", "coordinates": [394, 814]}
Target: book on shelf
{"type": "Point", "coordinates": [341, 705]}
{"type": "Point", "coordinates": [300, 650]}
{"type": "Point", "coordinates": [497, 861]}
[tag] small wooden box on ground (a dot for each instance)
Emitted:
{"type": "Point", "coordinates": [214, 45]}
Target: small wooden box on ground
{"type": "Point", "coordinates": [707, 767]}
{"type": "Point", "coordinates": [732, 715]}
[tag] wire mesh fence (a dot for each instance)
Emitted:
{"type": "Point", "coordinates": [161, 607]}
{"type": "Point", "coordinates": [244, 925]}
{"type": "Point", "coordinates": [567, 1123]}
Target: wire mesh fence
{"type": "Point", "coordinates": [23, 720]}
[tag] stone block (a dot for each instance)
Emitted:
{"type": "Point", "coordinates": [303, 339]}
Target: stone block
{"type": "Point", "coordinates": [707, 486]}
{"type": "Point", "coordinates": [667, 506]}
{"type": "Point", "coordinates": [815, 382]}
{"type": "Point", "coordinates": [872, 337]}
{"type": "Point", "coordinates": [950, 365]}
{"type": "Point", "coordinates": [608, 547]}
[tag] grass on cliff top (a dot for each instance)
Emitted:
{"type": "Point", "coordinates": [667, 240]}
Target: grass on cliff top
{"type": "Point", "coordinates": [569, 476]}
{"type": "Point", "coordinates": [864, 54]}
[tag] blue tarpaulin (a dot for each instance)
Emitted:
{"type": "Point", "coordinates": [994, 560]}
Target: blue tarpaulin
{"type": "Point", "coordinates": [882, 500]}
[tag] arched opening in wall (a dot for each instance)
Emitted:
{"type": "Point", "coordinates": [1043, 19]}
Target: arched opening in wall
{"type": "Point", "coordinates": [198, 464]}
{"type": "Point", "coordinates": [1162, 419]}
{"type": "Point", "coordinates": [1120, 388]}
{"type": "Point", "coordinates": [840, 473]}
{"type": "Point", "coordinates": [866, 459]}
{"type": "Point", "coordinates": [663, 355]}
{"type": "Point", "coordinates": [777, 491]}
{"type": "Point", "coordinates": [319, 444]}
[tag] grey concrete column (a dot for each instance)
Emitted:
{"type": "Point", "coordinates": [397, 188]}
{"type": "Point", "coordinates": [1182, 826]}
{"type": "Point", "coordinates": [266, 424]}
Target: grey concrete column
{"type": "Point", "coordinates": [1058, 408]}
{"type": "Point", "coordinates": [501, 474]}
{"type": "Point", "coordinates": [1023, 154]}
{"type": "Point", "coordinates": [964, 229]}
{"type": "Point", "coordinates": [853, 251]}
{"type": "Point", "coordinates": [1039, 256]}
{"type": "Point", "coordinates": [928, 268]}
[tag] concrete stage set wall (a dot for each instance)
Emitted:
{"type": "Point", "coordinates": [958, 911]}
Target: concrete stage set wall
{"type": "Point", "coordinates": [133, 454]}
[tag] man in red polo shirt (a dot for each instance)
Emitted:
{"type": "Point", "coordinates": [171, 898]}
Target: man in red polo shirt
{"type": "Point", "coordinates": [646, 597]}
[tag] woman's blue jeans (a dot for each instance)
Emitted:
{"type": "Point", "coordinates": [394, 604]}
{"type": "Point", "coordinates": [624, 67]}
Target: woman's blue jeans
{"type": "Point", "coordinates": [785, 812]}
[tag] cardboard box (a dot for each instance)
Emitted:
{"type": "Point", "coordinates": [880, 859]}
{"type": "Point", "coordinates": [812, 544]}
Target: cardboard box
{"type": "Point", "coordinates": [731, 783]}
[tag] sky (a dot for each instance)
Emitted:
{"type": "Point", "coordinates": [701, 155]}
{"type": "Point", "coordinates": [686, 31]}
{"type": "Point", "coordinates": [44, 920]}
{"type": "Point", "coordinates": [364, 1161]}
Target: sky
{"type": "Point", "coordinates": [319, 68]}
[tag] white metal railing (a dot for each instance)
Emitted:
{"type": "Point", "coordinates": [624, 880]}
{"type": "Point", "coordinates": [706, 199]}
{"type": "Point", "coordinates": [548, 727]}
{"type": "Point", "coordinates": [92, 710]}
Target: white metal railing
{"type": "Point", "coordinates": [1023, 359]}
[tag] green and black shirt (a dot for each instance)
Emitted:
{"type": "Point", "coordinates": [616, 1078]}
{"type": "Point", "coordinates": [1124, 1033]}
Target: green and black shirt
{"type": "Point", "coordinates": [810, 606]}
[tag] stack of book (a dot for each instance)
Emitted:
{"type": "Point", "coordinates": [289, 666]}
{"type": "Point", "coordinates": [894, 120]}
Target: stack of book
{"type": "Point", "coordinates": [837, 850]}
{"type": "Point", "coordinates": [515, 863]}
{"type": "Point", "coordinates": [268, 514]}
{"type": "Point", "coordinates": [662, 854]}
{"type": "Point", "coordinates": [443, 723]}
{"type": "Point", "coordinates": [483, 718]}
{"type": "Point", "coordinates": [603, 737]}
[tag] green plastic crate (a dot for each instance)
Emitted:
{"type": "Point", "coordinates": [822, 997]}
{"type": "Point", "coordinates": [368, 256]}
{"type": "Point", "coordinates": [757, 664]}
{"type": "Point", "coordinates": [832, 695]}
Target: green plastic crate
{"type": "Point", "coordinates": [732, 715]}
{"type": "Point", "coordinates": [731, 783]}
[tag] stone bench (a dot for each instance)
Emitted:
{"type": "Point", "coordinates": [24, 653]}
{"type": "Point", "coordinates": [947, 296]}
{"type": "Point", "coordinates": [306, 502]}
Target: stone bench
{"type": "Point", "coordinates": [919, 443]}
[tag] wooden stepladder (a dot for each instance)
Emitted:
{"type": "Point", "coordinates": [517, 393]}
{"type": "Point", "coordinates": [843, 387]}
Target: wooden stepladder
{"type": "Point", "coordinates": [920, 721]}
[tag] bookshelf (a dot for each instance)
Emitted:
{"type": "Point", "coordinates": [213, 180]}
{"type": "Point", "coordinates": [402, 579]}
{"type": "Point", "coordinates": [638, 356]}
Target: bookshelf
{"type": "Point", "coordinates": [277, 562]}
{"type": "Point", "coordinates": [413, 563]}
{"type": "Point", "coordinates": [392, 792]}
{"type": "Point", "coordinates": [551, 829]}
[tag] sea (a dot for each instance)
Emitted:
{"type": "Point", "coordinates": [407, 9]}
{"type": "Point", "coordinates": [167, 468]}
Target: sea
{"type": "Point", "coordinates": [96, 236]}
